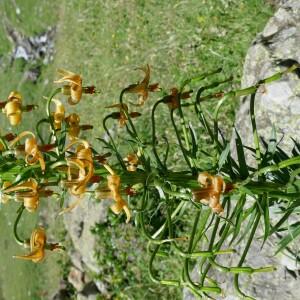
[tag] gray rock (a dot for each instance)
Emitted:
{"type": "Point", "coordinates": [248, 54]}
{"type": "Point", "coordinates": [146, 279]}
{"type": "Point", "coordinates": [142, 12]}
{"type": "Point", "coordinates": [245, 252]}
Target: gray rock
{"type": "Point", "coordinates": [79, 222]}
{"type": "Point", "coordinates": [32, 49]}
{"type": "Point", "coordinates": [278, 103]}
{"type": "Point", "coordinates": [76, 278]}
{"type": "Point", "coordinates": [62, 293]}
{"type": "Point", "coordinates": [90, 292]}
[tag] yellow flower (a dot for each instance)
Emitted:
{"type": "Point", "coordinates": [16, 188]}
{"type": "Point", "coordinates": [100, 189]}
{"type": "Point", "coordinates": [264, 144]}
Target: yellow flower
{"type": "Point", "coordinates": [33, 154]}
{"type": "Point", "coordinates": [38, 244]}
{"type": "Point", "coordinates": [59, 114]}
{"type": "Point", "coordinates": [74, 128]}
{"type": "Point", "coordinates": [73, 121]}
{"type": "Point", "coordinates": [121, 116]}
{"type": "Point", "coordinates": [80, 170]}
{"type": "Point", "coordinates": [73, 88]}
{"type": "Point", "coordinates": [13, 108]}
{"type": "Point", "coordinates": [114, 185]}
{"type": "Point", "coordinates": [26, 192]}
{"type": "Point", "coordinates": [113, 191]}
{"type": "Point", "coordinates": [143, 88]}
{"type": "Point", "coordinates": [131, 161]}
{"type": "Point", "coordinates": [172, 100]}
{"type": "Point", "coordinates": [212, 187]}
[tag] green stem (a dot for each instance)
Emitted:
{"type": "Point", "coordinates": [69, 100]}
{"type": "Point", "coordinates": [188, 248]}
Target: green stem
{"type": "Point", "coordinates": [162, 166]}
{"type": "Point", "coordinates": [16, 235]}
{"type": "Point", "coordinates": [245, 252]}
{"type": "Point", "coordinates": [183, 150]}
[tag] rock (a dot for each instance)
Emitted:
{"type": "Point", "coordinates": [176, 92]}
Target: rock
{"type": "Point", "coordinates": [76, 260]}
{"type": "Point", "coordinates": [90, 292]}
{"type": "Point", "coordinates": [62, 293]}
{"type": "Point", "coordinates": [76, 278]}
{"type": "Point", "coordinates": [278, 103]}
{"type": "Point", "coordinates": [79, 223]}
{"type": "Point", "coordinates": [34, 49]}
{"type": "Point", "coordinates": [101, 287]}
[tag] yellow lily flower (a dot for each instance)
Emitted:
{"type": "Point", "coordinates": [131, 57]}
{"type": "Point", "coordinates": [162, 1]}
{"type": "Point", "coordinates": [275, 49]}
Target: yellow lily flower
{"type": "Point", "coordinates": [74, 128]}
{"type": "Point", "coordinates": [131, 161]}
{"type": "Point", "coordinates": [59, 114]}
{"type": "Point", "coordinates": [80, 170]}
{"type": "Point", "coordinates": [73, 121]}
{"type": "Point", "coordinates": [121, 116]}
{"type": "Point", "coordinates": [26, 192]}
{"type": "Point", "coordinates": [114, 184]}
{"type": "Point", "coordinates": [212, 187]}
{"type": "Point", "coordinates": [114, 192]}
{"type": "Point", "coordinates": [33, 154]}
{"type": "Point", "coordinates": [73, 88]}
{"type": "Point", "coordinates": [143, 88]}
{"type": "Point", "coordinates": [38, 244]}
{"type": "Point", "coordinates": [172, 100]}
{"type": "Point", "coordinates": [13, 108]}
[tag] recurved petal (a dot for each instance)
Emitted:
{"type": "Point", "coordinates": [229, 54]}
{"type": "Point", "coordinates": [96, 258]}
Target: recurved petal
{"type": "Point", "coordinates": [13, 112]}
{"type": "Point", "coordinates": [69, 77]}
{"type": "Point", "coordinates": [31, 203]}
{"type": "Point", "coordinates": [35, 256]}
{"type": "Point", "coordinates": [76, 94]}
{"type": "Point", "coordinates": [14, 95]}
{"type": "Point", "coordinates": [38, 238]}
{"type": "Point", "coordinates": [146, 79]}
{"type": "Point", "coordinates": [120, 205]}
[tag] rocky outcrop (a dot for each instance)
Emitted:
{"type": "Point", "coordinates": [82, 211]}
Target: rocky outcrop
{"type": "Point", "coordinates": [79, 223]}
{"type": "Point", "coordinates": [277, 103]}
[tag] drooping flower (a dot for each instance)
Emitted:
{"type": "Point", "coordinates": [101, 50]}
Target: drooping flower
{"type": "Point", "coordinates": [33, 154]}
{"type": "Point", "coordinates": [121, 116]}
{"type": "Point", "coordinates": [212, 187]}
{"type": "Point", "coordinates": [74, 127]}
{"type": "Point", "coordinates": [173, 99]}
{"type": "Point", "coordinates": [114, 185]}
{"type": "Point", "coordinates": [38, 245]}
{"type": "Point", "coordinates": [73, 87]}
{"type": "Point", "coordinates": [26, 192]}
{"type": "Point", "coordinates": [132, 162]}
{"type": "Point", "coordinates": [59, 114]}
{"type": "Point", "coordinates": [113, 191]}
{"type": "Point", "coordinates": [143, 88]}
{"type": "Point", "coordinates": [80, 171]}
{"type": "Point", "coordinates": [73, 121]}
{"type": "Point", "coordinates": [13, 108]}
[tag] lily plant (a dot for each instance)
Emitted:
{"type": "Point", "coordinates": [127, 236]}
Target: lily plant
{"type": "Point", "coordinates": [221, 202]}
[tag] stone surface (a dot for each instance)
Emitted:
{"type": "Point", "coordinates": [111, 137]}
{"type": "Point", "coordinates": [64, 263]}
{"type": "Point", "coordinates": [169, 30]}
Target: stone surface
{"type": "Point", "coordinates": [38, 48]}
{"type": "Point", "coordinates": [79, 223]}
{"type": "Point", "coordinates": [278, 103]}
{"type": "Point", "coordinates": [90, 292]}
{"type": "Point", "coordinates": [76, 278]}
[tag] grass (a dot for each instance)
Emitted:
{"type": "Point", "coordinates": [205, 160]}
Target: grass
{"type": "Point", "coordinates": [105, 41]}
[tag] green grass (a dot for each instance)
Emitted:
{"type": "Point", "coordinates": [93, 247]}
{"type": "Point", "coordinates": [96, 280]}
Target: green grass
{"type": "Point", "coordinates": [104, 41]}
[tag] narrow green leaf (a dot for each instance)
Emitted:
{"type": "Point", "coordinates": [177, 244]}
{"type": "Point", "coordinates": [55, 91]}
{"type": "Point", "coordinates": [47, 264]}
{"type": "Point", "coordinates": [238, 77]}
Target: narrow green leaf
{"type": "Point", "coordinates": [273, 141]}
{"type": "Point", "coordinates": [266, 219]}
{"type": "Point", "coordinates": [241, 156]}
{"type": "Point", "coordinates": [288, 238]}
{"type": "Point", "coordinates": [223, 156]}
